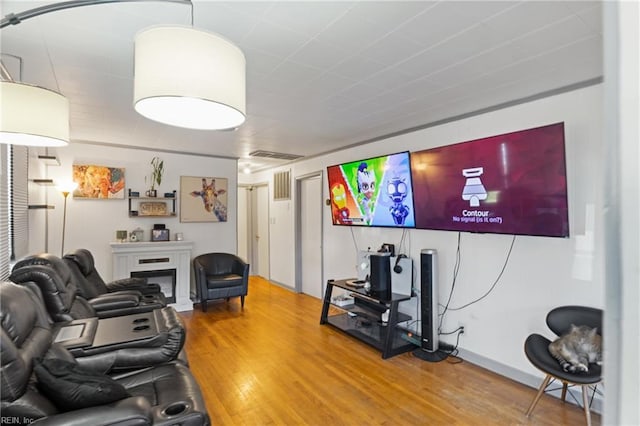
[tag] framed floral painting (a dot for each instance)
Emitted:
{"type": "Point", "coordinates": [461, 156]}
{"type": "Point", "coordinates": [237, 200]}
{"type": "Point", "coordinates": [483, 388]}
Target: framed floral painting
{"type": "Point", "coordinates": [98, 182]}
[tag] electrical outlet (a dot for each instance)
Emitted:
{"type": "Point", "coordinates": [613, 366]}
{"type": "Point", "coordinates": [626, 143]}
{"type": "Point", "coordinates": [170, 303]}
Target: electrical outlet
{"type": "Point", "coordinates": [461, 327]}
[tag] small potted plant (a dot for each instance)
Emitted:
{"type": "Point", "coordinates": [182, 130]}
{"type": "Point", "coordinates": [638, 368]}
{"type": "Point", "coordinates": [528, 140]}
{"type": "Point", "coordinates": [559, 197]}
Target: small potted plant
{"type": "Point", "coordinates": [157, 169]}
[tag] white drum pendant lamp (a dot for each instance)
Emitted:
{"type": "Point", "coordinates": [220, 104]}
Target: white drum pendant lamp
{"type": "Point", "coordinates": [31, 115]}
{"type": "Point", "coordinates": [189, 78]}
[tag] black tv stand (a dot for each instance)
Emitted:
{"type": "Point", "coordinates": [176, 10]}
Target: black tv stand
{"type": "Point", "coordinates": [362, 319]}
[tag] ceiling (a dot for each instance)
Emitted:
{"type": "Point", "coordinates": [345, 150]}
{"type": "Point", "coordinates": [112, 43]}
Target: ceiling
{"type": "Point", "coordinates": [321, 76]}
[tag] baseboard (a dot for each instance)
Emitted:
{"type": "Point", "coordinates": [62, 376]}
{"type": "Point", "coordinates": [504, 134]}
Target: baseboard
{"type": "Point", "coordinates": [525, 378]}
{"type": "Point", "coordinates": [279, 284]}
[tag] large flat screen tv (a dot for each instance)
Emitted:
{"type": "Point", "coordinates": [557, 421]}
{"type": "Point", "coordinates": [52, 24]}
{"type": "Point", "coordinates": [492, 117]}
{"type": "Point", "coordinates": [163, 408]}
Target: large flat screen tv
{"type": "Point", "coordinates": [508, 184]}
{"type": "Point", "coordinates": [372, 192]}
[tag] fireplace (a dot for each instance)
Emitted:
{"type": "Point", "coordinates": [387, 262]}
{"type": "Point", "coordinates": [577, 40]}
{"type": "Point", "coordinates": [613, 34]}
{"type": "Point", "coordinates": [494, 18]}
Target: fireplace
{"type": "Point", "coordinates": [164, 261]}
{"type": "Point", "coordinates": [165, 278]}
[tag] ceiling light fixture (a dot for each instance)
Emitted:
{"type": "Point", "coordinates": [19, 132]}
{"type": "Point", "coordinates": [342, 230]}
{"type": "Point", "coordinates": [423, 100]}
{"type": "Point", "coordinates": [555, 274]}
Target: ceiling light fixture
{"type": "Point", "coordinates": [190, 78]}
{"type": "Point", "coordinates": [31, 115]}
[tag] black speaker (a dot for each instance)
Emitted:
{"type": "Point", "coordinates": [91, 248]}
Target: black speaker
{"type": "Point", "coordinates": [429, 299]}
{"type": "Point", "coordinates": [380, 275]}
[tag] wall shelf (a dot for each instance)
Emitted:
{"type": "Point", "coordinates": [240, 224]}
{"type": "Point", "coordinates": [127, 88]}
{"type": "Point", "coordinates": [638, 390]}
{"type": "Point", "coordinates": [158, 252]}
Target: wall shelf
{"type": "Point", "coordinates": [45, 182]}
{"type": "Point", "coordinates": [41, 206]}
{"type": "Point", "coordinates": [50, 160]}
{"type": "Point", "coordinates": [151, 206]}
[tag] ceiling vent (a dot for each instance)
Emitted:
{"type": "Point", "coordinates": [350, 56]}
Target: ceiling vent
{"type": "Point", "coordinates": [275, 155]}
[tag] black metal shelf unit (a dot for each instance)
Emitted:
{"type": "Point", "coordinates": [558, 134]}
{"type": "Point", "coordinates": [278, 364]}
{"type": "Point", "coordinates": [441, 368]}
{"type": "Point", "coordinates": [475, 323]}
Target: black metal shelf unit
{"type": "Point", "coordinates": [364, 318]}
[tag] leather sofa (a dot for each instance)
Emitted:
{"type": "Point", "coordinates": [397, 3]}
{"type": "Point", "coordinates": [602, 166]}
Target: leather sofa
{"type": "Point", "coordinates": [220, 276]}
{"type": "Point", "coordinates": [58, 296]}
{"type": "Point", "coordinates": [82, 262]}
{"type": "Point", "coordinates": [61, 295]}
{"type": "Point", "coordinates": [165, 394]}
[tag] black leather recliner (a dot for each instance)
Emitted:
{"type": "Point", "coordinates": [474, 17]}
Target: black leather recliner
{"type": "Point", "coordinates": [220, 276]}
{"type": "Point", "coordinates": [59, 298]}
{"type": "Point", "coordinates": [64, 293]}
{"type": "Point", "coordinates": [166, 394]}
{"type": "Point", "coordinates": [82, 261]}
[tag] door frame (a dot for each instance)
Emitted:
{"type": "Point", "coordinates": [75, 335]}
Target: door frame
{"type": "Point", "coordinates": [248, 188]}
{"type": "Point", "coordinates": [268, 230]}
{"type": "Point", "coordinates": [298, 229]}
{"type": "Point", "coordinates": [251, 223]}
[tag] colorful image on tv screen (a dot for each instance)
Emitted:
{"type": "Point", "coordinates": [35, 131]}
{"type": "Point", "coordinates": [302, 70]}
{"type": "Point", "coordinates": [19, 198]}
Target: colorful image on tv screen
{"type": "Point", "coordinates": [372, 192]}
{"type": "Point", "coordinates": [513, 183]}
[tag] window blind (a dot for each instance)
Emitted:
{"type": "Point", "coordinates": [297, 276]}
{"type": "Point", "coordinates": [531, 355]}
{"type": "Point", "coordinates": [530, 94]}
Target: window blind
{"type": "Point", "coordinates": [5, 245]}
{"type": "Point", "coordinates": [19, 199]}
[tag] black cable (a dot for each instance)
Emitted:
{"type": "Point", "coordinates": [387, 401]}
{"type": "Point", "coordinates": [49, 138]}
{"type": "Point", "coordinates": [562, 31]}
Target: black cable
{"type": "Point", "coordinates": [353, 237]}
{"type": "Point", "coordinates": [504, 266]}
{"type": "Point", "coordinates": [402, 238]}
{"type": "Point", "coordinates": [454, 351]}
{"type": "Point", "coordinates": [457, 330]}
{"type": "Point", "coordinates": [456, 268]}
{"type": "Point", "coordinates": [443, 354]}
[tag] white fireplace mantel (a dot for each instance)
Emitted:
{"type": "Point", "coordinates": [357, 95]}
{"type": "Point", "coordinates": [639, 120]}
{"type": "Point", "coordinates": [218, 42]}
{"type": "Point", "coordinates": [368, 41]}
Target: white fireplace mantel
{"type": "Point", "coordinates": [151, 256]}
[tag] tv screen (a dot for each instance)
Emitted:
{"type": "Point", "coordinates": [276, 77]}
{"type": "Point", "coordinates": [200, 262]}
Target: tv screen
{"type": "Point", "coordinates": [372, 192]}
{"type": "Point", "coordinates": [508, 184]}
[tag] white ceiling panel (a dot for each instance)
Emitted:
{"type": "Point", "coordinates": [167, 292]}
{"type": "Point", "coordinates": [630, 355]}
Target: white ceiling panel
{"type": "Point", "coordinates": [320, 75]}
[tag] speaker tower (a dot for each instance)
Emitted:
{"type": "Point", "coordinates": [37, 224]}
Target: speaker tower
{"type": "Point", "coordinates": [429, 300]}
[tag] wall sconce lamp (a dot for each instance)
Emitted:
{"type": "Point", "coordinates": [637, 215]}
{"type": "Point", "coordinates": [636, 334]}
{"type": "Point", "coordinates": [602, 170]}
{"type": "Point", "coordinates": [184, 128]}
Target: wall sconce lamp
{"type": "Point", "coordinates": [65, 188]}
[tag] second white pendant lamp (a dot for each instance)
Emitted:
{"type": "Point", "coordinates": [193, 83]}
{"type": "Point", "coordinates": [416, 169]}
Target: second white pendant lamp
{"type": "Point", "coordinates": [189, 78]}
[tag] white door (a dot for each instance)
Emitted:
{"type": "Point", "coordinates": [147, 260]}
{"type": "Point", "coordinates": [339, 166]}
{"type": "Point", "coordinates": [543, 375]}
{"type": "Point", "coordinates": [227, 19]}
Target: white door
{"type": "Point", "coordinates": [260, 229]}
{"type": "Point", "coordinates": [311, 236]}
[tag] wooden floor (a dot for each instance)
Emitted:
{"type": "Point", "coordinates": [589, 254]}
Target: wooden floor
{"type": "Point", "coordinates": [273, 363]}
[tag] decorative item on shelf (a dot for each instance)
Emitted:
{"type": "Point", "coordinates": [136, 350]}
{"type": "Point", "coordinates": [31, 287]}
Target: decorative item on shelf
{"type": "Point", "coordinates": [153, 208]}
{"type": "Point", "coordinates": [170, 194]}
{"type": "Point", "coordinates": [121, 236]}
{"type": "Point", "coordinates": [159, 233]}
{"type": "Point", "coordinates": [136, 235]}
{"type": "Point", "coordinates": [179, 236]}
{"type": "Point", "coordinates": [133, 193]}
{"type": "Point", "coordinates": [157, 169]}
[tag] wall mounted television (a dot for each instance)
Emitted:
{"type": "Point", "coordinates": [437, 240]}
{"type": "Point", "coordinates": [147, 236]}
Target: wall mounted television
{"type": "Point", "coordinates": [372, 192]}
{"type": "Point", "coordinates": [513, 183]}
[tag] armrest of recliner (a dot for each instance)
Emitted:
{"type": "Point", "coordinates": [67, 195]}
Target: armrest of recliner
{"type": "Point", "coordinates": [134, 283]}
{"type": "Point", "coordinates": [117, 300]}
{"type": "Point", "coordinates": [134, 410]}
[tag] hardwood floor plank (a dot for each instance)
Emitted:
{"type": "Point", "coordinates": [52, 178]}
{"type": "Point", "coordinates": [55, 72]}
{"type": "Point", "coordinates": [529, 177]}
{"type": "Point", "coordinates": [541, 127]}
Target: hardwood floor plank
{"type": "Point", "coordinates": [274, 364]}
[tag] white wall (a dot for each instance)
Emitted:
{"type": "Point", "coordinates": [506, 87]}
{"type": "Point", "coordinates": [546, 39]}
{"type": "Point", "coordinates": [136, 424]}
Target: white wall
{"type": "Point", "coordinates": [92, 224]}
{"type": "Point", "coordinates": [542, 273]}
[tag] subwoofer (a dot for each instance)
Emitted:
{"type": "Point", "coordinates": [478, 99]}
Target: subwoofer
{"type": "Point", "coordinates": [380, 275]}
{"type": "Point", "coordinates": [429, 299]}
